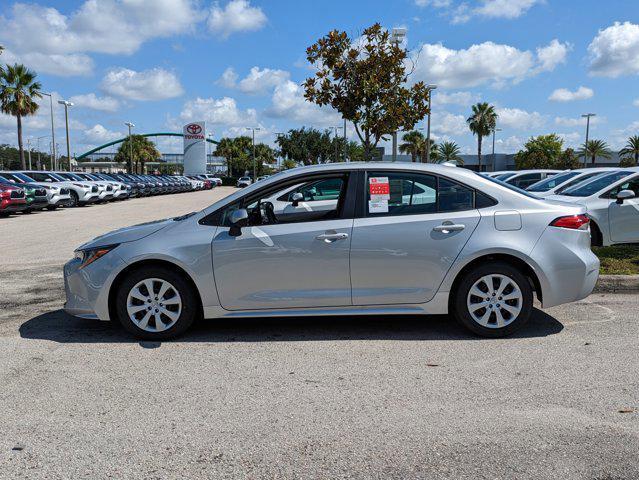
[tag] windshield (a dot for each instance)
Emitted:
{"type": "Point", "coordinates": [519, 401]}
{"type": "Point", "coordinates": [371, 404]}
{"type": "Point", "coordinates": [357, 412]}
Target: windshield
{"type": "Point", "coordinates": [56, 177]}
{"type": "Point", "coordinates": [593, 186]}
{"type": "Point", "coordinates": [552, 182]}
{"type": "Point", "coordinates": [504, 176]}
{"type": "Point", "coordinates": [511, 187]}
{"type": "Point", "coordinates": [580, 179]}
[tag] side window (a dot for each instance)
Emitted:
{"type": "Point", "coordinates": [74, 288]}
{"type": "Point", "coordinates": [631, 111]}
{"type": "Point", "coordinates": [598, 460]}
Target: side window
{"type": "Point", "coordinates": [38, 177]}
{"type": "Point", "coordinates": [273, 207]}
{"type": "Point", "coordinates": [454, 197]}
{"type": "Point", "coordinates": [630, 185]}
{"type": "Point", "coordinates": [399, 193]}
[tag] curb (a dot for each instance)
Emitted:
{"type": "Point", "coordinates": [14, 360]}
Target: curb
{"type": "Point", "coordinates": [617, 284]}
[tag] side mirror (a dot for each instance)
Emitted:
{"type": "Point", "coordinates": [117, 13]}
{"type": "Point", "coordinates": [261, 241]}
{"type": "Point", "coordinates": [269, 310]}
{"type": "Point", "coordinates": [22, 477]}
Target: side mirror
{"type": "Point", "coordinates": [297, 198]}
{"type": "Point", "coordinates": [624, 195]}
{"type": "Point", "coordinates": [238, 217]}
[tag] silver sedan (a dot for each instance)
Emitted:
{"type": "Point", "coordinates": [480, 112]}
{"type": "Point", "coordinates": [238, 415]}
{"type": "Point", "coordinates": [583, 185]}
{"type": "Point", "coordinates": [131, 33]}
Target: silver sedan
{"type": "Point", "coordinates": [397, 239]}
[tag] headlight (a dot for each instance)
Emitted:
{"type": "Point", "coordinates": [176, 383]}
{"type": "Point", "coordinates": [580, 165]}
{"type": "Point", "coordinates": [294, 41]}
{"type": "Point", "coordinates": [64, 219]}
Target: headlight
{"type": "Point", "coordinates": [89, 255]}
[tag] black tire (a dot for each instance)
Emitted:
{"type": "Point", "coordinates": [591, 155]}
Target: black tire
{"type": "Point", "coordinates": [73, 201]}
{"type": "Point", "coordinates": [27, 211]}
{"type": "Point", "coordinates": [460, 295]}
{"type": "Point", "coordinates": [596, 237]}
{"type": "Point", "coordinates": [190, 304]}
{"type": "Point", "coordinates": [51, 208]}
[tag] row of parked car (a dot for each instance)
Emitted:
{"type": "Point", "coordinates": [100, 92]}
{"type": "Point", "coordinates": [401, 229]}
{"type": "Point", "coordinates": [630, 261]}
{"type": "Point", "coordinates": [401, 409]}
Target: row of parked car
{"type": "Point", "coordinates": [610, 194]}
{"type": "Point", "coordinates": [30, 190]}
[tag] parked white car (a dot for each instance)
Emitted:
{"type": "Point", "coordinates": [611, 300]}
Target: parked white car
{"type": "Point", "coordinates": [612, 202]}
{"type": "Point", "coordinates": [81, 193]}
{"type": "Point", "coordinates": [556, 184]}
{"type": "Point", "coordinates": [208, 176]}
{"type": "Point", "coordinates": [57, 196]}
{"type": "Point", "coordinates": [244, 182]}
{"type": "Point", "coordinates": [105, 191]}
{"type": "Point", "coordinates": [120, 190]}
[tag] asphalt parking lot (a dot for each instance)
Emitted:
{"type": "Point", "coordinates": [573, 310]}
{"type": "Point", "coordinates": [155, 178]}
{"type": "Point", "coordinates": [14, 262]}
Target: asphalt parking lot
{"type": "Point", "coordinates": [305, 398]}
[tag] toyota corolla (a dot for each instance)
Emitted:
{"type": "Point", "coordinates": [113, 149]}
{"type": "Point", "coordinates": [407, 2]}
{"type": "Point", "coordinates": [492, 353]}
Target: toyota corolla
{"type": "Point", "coordinates": [353, 239]}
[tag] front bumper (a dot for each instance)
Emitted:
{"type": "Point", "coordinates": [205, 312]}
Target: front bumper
{"type": "Point", "coordinates": [12, 206]}
{"type": "Point", "coordinates": [87, 289]}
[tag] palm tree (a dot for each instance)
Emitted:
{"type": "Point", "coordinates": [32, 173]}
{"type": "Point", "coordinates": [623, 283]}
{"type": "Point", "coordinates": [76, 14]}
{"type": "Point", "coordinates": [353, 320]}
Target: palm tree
{"type": "Point", "coordinates": [18, 94]}
{"type": "Point", "coordinates": [594, 149]}
{"type": "Point", "coordinates": [482, 122]}
{"type": "Point", "coordinates": [449, 152]}
{"type": "Point", "coordinates": [414, 143]}
{"type": "Point", "coordinates": [631, 150]}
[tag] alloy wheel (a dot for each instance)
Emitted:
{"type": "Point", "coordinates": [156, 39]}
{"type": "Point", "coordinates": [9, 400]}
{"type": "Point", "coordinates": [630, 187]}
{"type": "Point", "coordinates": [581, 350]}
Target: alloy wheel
{"type": "Point", "coordinates": [494, 301]}
{"type": "Point", "coordinates": [154, 305]}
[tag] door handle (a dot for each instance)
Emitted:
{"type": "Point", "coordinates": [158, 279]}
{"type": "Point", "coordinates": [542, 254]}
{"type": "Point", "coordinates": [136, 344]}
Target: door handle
{"type": "Point", "coordinates": [449, 227]}
{"type": "Point", "coordinates": [331, 237]}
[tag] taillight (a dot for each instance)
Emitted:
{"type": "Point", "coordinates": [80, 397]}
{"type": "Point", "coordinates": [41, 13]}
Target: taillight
{"type": "Point", "coordinates": [574, 222]}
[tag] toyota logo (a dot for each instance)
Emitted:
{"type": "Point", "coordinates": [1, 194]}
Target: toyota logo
{"type": "Point", "coordinates": [193, 129]}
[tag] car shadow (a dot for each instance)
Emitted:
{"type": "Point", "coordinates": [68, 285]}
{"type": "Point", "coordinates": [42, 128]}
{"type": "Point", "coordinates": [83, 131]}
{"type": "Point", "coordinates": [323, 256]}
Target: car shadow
{"type": "Point", "coordinates": [57, 326]}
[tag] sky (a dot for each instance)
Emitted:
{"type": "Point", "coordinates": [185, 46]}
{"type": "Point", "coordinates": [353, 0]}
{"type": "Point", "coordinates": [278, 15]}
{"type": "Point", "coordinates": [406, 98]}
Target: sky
{"type": "Point", "coordinates": [240, 63]}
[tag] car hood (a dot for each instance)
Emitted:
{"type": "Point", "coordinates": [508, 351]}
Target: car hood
{"type": "Point", "coordinates": [128, 234]}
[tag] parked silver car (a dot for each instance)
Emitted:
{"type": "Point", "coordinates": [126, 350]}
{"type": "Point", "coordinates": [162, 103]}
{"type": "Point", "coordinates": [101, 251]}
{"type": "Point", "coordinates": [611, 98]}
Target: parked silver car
{"type": "Point", "coordinates": [400, 239]}
{"type": "Point", "coordinates": [244, 182]}
{"type": "Point", "coordinates": [612, 202]}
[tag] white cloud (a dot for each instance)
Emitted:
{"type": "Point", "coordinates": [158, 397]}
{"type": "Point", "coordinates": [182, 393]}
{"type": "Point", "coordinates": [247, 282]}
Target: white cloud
{"type": "Point", "coordinates": [223, 111]}
{"type": "Point", "coordinates": [636, 102]}
{"type": "Point", "coordinates": [105, 26]}
{"type": "Point", "coordinates": [615, 50]}
{"type": "Point", "coordinates": [508, 145]}
{"type": "Point", "coordinates": [455, 98]}
{"type": "Point", "coordinates": [99, 134]}
{"type": "Point", "coordinates": [552, 55]}
{"type": "Point", "coordinates": [575, 122]}
{"type": "Point", "coordinates": [288, 102]}
{"type": "Point", "coordinates": [505, 8]}
{"type": "Point", "coordinates": [445, 123]}
{"type": "Point", "coordinates": [92, 101]}
{"type": "Point", "coordinates": [486, 62]}
{"type": "Point", "coordinates": [519, 119]}
{"type": "Point", "coordinates": [565, 95]}
{"type": "Point", "coordinates": [54, 64]}
{"type": "Point", "coordinates": [155, 84]}
{"type": "Point", "coordinates": [572, 139]}
{"type": "Point", "coordinates": [237, 16]}
{"type": "Point", "coordinates": [228, 78]}
{"type": "Point", "coordinates": [259, 81]}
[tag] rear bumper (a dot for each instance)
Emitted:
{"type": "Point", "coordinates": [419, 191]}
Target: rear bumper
{"type": "Point", "coordinates": [567, 268]}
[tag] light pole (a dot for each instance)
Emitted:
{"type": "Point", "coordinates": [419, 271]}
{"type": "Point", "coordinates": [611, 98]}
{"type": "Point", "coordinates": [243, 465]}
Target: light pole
{"type": "Point", "coordinates": [587, 116]}
{"type": "Point", "coordinates": [397, 36]}
{"type": "Point", "coordinates": [29, 151]}
{"type": "Point", "coordinates": [53, 157]}
{"type": "Point", "coordinates": [336, 149]}
{"type": "Point", "coordinates": [130, 125]}
{"type": "Point", "coordinates": [494, 130]}
{"type": "Point", "coordinates": [430, 98]}
{"type": "Point", "coordinates": [67, 104]}
{"type": "Point", "coordinates": [38, 147]}
{"type": "Point", "coordinates": [254, 164]}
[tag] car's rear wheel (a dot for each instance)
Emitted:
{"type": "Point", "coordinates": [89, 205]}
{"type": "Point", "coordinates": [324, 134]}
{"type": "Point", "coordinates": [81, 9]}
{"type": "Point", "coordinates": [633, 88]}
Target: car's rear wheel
{"type": "Point", "coordinates": [51, 208]}
{"type": "Point", "coordinates": [493, 300]}
{"type": "Point", "coordinates": [155, 303]}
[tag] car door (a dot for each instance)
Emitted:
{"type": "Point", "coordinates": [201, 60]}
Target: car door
{"type": "Point", "coordinates": [318, 196]}
{"type": "Point", "coordinates": [285, 264]}
{"type": "Point", "coordinates": [411, 230]}
{"type": "Point", "coordinates": [624, 218]}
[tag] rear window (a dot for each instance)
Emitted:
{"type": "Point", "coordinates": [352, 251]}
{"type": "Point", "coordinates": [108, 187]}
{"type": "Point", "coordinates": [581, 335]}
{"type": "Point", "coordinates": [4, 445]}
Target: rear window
{"type": "Point", "coordinates": [552, 182]}
{"type": "Point", "coordinates": [593, 186]}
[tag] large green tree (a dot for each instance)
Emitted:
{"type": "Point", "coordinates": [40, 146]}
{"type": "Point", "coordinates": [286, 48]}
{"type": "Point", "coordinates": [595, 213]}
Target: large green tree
{"type": "Point", "coordinates": [238, 152]}
{"type": "Point", "coordinates": [482, 122]}
{"type": "Point", "coordinates": [307, 146]}
{"type": "Point", "coordinates": [366, 80]}
{"type": "Point", "coordinates": [630, 151]}
{"type": "Point", "coordinates": [540, 152]}
{"type": "Point", "coordinates": [19, 91]}
{"type": "Point", "coordinates": [594, 149]}
{"type": "Point", "coordinates": [135, 151]}
{"type": "Point", "coordinates": [568, 160]}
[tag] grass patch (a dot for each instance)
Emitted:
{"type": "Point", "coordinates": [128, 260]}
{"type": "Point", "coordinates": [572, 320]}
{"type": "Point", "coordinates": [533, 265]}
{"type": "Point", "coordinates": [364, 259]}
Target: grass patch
{"type": "Point", "coordinates": [619, 259]}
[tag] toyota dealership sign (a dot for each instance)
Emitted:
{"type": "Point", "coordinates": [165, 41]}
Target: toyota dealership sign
{"type": "Point", "coordinates": [194, 148]}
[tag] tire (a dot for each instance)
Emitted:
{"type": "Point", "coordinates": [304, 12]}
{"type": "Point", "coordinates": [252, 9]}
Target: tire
{"type": "Point", "coordinates": [484, 320]}
{"type": "Point", "coordinates": [74, 201]}
{"type": "Point", "coordinates": [596, 237]}
{"type": "Point", "coordinates": [137, 282]}
{"type": "Point", "coordinates": [51, 208]}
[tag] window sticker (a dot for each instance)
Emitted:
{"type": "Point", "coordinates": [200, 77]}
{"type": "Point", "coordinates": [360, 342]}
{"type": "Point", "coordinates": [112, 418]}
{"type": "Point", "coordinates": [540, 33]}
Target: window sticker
{"type": "Point", "coordinates": [379, 189]}
{"type": "Point", "coordinates": [380, 206]}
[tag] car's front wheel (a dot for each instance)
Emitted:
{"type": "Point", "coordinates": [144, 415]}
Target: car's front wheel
{"type": "Point", "coordinates": [493, 300]}
{"type": "Point", "coordinates": [155, 303]}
